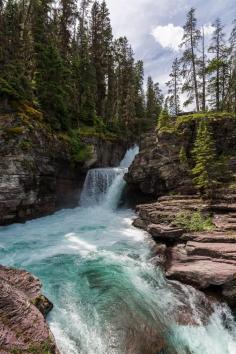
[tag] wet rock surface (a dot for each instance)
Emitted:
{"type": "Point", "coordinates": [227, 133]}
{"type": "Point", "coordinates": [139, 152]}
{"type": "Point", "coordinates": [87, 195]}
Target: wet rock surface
{"type": "Point", "coordinates": [202, 259]}
{"type": "Point", "coordinates": [23, 328]}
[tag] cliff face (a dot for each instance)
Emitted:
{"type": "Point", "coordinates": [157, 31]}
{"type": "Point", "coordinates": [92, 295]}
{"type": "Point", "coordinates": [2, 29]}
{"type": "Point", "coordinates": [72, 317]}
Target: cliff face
{"type": "Point", "coordinates": [23, 328]}
{"type": "Point", "coordinates": [158, 169]}
{"type": "Point", "coordinates": [37, 172]}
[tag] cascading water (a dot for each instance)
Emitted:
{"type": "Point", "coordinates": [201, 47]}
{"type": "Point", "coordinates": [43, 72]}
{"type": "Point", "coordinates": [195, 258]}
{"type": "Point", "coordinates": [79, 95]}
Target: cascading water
{"type": "Point", "coordinates": [109, 297]}
{"type": "Point", "coordinates": [103, 186]}
{"type": "Point", "coordinates": [99, 185]}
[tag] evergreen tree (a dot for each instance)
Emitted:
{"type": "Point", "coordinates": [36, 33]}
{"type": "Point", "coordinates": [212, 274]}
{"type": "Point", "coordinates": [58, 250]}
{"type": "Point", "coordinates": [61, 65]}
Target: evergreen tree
{"type": "Point", "coordinates": [174, 88]}
{"type": "Point", "coordinates": [204, 171]}
{"type": "Point", "coordinates": [231, 89]}
{"type": "Point", "coordinates": [189, 59]}
{"type": "Point", "coordinates": [139, 93]}
{"type": "Point", "coordinates": [86, 71]}
{"type": "Point", "coordinates": [164, 118]}
{"type": "Point", "coordinates": [51, 74]}
{"type": "Point", "coordinates": [202, 72]}
{"type": "Point", "coordinates": [101, 41]}
{"type": "Point", "coordinates": [154, 100]}
{"type": "Point", "coordinates": [218, 67]}
{"type": "Point", "coordinates": [68, 17]}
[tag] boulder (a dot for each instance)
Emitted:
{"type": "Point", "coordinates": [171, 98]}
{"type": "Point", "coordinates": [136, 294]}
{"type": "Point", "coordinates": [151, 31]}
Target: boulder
{"type": "Point", "coordinates": [23, 328]}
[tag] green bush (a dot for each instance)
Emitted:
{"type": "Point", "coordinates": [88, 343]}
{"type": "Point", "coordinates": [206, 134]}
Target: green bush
{"type": "Point", "coordinates": [194, 221]}
{"type": "Point", "coordinates": [80, 151]}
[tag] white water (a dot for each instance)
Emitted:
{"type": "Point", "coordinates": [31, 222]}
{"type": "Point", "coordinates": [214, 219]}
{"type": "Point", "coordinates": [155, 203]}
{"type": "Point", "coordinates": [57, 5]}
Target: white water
{"type": "Point", "coordinates": [109, 297]}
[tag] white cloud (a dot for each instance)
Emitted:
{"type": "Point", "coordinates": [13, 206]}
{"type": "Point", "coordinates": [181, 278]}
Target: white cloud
{"type": "Point", "coordinates": [168, 36]}
{"type": "Point", "coordinates": [208, 30]}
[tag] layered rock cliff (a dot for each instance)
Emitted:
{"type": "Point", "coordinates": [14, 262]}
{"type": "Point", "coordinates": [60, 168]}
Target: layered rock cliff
{"type": "Point", "coordinates": [23, 328]}
{"type": "Point", "coordinates": [158, 168]}
{"type": "Point", "coordinates": [38, 173]}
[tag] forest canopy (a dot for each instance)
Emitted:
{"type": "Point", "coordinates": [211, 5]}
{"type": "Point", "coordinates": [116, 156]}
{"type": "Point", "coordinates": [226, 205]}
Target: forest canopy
{"type": "Point", "coordinates": [61, 57]}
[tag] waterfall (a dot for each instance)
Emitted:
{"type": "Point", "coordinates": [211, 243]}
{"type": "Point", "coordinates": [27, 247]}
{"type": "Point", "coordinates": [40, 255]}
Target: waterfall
{"type": "Point", "coordinates": [103, 186]}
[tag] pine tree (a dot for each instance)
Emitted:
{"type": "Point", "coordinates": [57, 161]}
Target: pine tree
{"type": "Point", "coordinates": [14, 76]}
{"type": "Point", "coordinates": [68, 17]}
{"type": "Point", "coordinates": [86, 71]}
{"type": "Point", "coordinates": [164, 118]}
{"type": "Point", "coordinates": [231, 89]}
{"type": "Point", "coordinates": [218, 67]}
{"type": "Point", "coordinates": [101, 41]}
{"type": "Point", "coordinates": [174, 88]}
{"type": "Point", "coordinates": [139, 93]}
{"type": "Point", "coordinates": [154, 100]}
{"type": "Point", "coordinates": [189, 59]}
{"type": "Point", "coordinates": [202, 72]}
{"type": "Point", "coordinates": [204, 155]}
{"type": "Point", "coordinates": [51, 76]}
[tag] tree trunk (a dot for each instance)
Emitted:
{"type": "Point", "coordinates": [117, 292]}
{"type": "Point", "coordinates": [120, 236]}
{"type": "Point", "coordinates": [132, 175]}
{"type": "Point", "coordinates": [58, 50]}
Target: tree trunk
{"type": "Point", "coordinates": [195, 76]}
{"type": "Point", "coordinates": [203, 73]}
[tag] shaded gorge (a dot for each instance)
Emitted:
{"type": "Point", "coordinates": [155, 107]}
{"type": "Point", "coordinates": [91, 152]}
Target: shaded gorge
{"type": "Point", "coordinates": [109, 296]}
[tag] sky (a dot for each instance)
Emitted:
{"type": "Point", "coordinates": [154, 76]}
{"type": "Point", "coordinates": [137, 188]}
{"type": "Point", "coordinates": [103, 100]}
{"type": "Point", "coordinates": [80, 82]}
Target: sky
{"type": "Point", "coordinates": [154, 28]}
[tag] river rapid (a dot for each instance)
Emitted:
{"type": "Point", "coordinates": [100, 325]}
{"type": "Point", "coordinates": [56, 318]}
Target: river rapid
{"type": "Point", "coordinates": [109, 296]}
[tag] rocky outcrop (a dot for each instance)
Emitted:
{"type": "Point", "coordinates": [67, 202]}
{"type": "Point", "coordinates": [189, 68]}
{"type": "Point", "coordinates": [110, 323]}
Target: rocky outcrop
{"type": "Point", "coordinates": [207, 259]}
{"type": "Point", "coordinates": [159, 169]}
{"type": "Point", "coordinates": [37, 172]}
{"type": "Point", "coordinates": [23, 328]}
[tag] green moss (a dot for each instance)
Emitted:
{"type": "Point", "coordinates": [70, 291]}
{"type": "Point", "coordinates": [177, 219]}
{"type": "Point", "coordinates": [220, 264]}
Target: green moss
{"type": "Point", "coordinates": [15, 130]}
{"type": "Point", "coordinates": [176, 126]}
{"type": "Point", "coordinates": [25, 145]}
{"type": "Point", "coordinates": [197, 116]}
{"type": "Point", "coordinates": [194, 221]}
{"type": "Point", "coordinates": [183, 157]}
{"type": "Point", "coordinates": [106, 135]}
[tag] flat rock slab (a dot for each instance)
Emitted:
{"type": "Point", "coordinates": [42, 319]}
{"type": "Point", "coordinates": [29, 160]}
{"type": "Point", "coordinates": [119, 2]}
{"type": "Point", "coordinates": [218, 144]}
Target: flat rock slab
{"type": "Point", "coordinates": [202, 273]}
{"type": "Point", "coordinates": [214, 250]}
{"type": "Point", "coordinates": [209, 237]}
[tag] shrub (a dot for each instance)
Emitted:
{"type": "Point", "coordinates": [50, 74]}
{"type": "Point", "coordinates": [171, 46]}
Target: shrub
{"type": "Point", "coordinates": [80, 151]}
{"type": "Point", "coordinates": [194, 221]}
